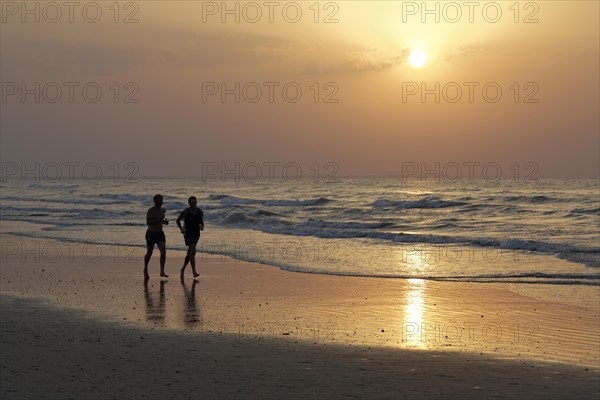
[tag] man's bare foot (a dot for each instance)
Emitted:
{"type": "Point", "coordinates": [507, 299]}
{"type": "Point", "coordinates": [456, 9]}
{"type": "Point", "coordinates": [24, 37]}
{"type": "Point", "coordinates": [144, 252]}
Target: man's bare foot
{"type": "Point", "coordinates": [163, 275]}
{"type": "Point", "coordinates": [181, 272]}
{"type": "Point", "coordinates": [196, 274]}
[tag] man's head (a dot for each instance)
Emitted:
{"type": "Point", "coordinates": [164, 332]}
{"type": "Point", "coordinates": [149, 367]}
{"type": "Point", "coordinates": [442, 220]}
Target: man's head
{"type": "Point", "coordinates": [192, 201]}
{"type": "Point", "coordinates": [158, 200]}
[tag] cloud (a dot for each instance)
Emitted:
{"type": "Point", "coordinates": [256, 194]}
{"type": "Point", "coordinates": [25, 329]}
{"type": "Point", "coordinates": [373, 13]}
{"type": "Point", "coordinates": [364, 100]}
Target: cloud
{"type": "Point", "coordinates": [233, 49]}
{"type": "Point", "coordinates": [354, 61]}
{"type": "Point", "coordinates": [460, 52]}
{"type": "Point", "coordinates": [404, 54]}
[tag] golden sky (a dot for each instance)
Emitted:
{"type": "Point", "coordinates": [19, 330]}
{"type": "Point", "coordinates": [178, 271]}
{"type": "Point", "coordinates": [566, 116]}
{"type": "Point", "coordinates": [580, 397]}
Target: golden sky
{"type": "Point", "coordinates": [542, 55]}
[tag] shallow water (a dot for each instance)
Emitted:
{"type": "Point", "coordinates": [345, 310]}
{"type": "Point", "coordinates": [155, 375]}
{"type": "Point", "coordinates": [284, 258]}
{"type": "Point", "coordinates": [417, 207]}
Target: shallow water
{"type": "Point", "coordinates": [526, 232]}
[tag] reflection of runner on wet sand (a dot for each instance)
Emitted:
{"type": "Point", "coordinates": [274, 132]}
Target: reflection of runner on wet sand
{"type": "Point", "coordinates": [155, 312]}
{"type": "Point", "coordinates": [190, 315]}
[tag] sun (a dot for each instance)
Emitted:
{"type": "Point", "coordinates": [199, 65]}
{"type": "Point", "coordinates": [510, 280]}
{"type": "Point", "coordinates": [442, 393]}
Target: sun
{"type": "Point", "coordinates": [417, 58]}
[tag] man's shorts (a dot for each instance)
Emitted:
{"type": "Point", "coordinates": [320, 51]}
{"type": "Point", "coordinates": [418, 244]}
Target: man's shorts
{"type": "Point", "coordinates": [153, 238]}
{"type": "Point", "coordinates": [191, 239]}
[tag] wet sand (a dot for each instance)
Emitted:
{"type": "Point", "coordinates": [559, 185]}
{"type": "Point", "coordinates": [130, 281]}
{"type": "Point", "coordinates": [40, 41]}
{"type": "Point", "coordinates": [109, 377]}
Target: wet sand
{"type": "Point", "coordinates": [79, 322]}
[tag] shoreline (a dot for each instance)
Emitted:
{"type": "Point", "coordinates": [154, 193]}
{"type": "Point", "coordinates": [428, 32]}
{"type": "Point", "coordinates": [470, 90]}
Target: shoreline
{"type": "Point", "coordinates": [405, 260]}
{"type": "Point", "coordinates": [538, 289]}
{"type": "Point", "coordinates": [489, 318]}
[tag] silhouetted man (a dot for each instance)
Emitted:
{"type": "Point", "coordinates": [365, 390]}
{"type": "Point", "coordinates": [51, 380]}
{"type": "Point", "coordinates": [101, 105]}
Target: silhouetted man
{"type": "Point", "coordinates": [194, 223]}
{"type": "Point", "coordinates": [155, 219]}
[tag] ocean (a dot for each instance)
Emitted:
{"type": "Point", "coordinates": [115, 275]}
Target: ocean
{"type": "Point", "coordinates": [543, 231]}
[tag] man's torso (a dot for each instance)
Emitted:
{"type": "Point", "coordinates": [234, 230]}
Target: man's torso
{"type": "Point", "coordinates": [193, 221]}
{"type": "Point", "coordinates": [159, 214]}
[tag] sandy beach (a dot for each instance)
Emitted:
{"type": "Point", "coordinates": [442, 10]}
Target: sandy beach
{"type": "Point", "coordinates": [78, 322]}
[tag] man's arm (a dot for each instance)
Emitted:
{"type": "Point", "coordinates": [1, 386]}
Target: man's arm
{"type": "Point", "coordinates": [163, 213]}
{"type": "Point", "coordinates": [201, 220]}
{"type": "Point", "coordinates": [181, 216]}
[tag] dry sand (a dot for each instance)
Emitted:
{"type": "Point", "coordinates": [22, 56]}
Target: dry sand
{"type": "Point", "coordinates": [78, 322]}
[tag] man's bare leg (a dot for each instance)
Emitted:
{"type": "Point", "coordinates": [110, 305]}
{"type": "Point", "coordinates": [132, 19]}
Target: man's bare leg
{"type": "Point", "coordinates": [147, 260]}
{"type": "Point", "coordinates": [193, 261]}
{"type": "Point", "coordinates": [163, 258]}
{"type": "Point", "coordinates": [186, 261]}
